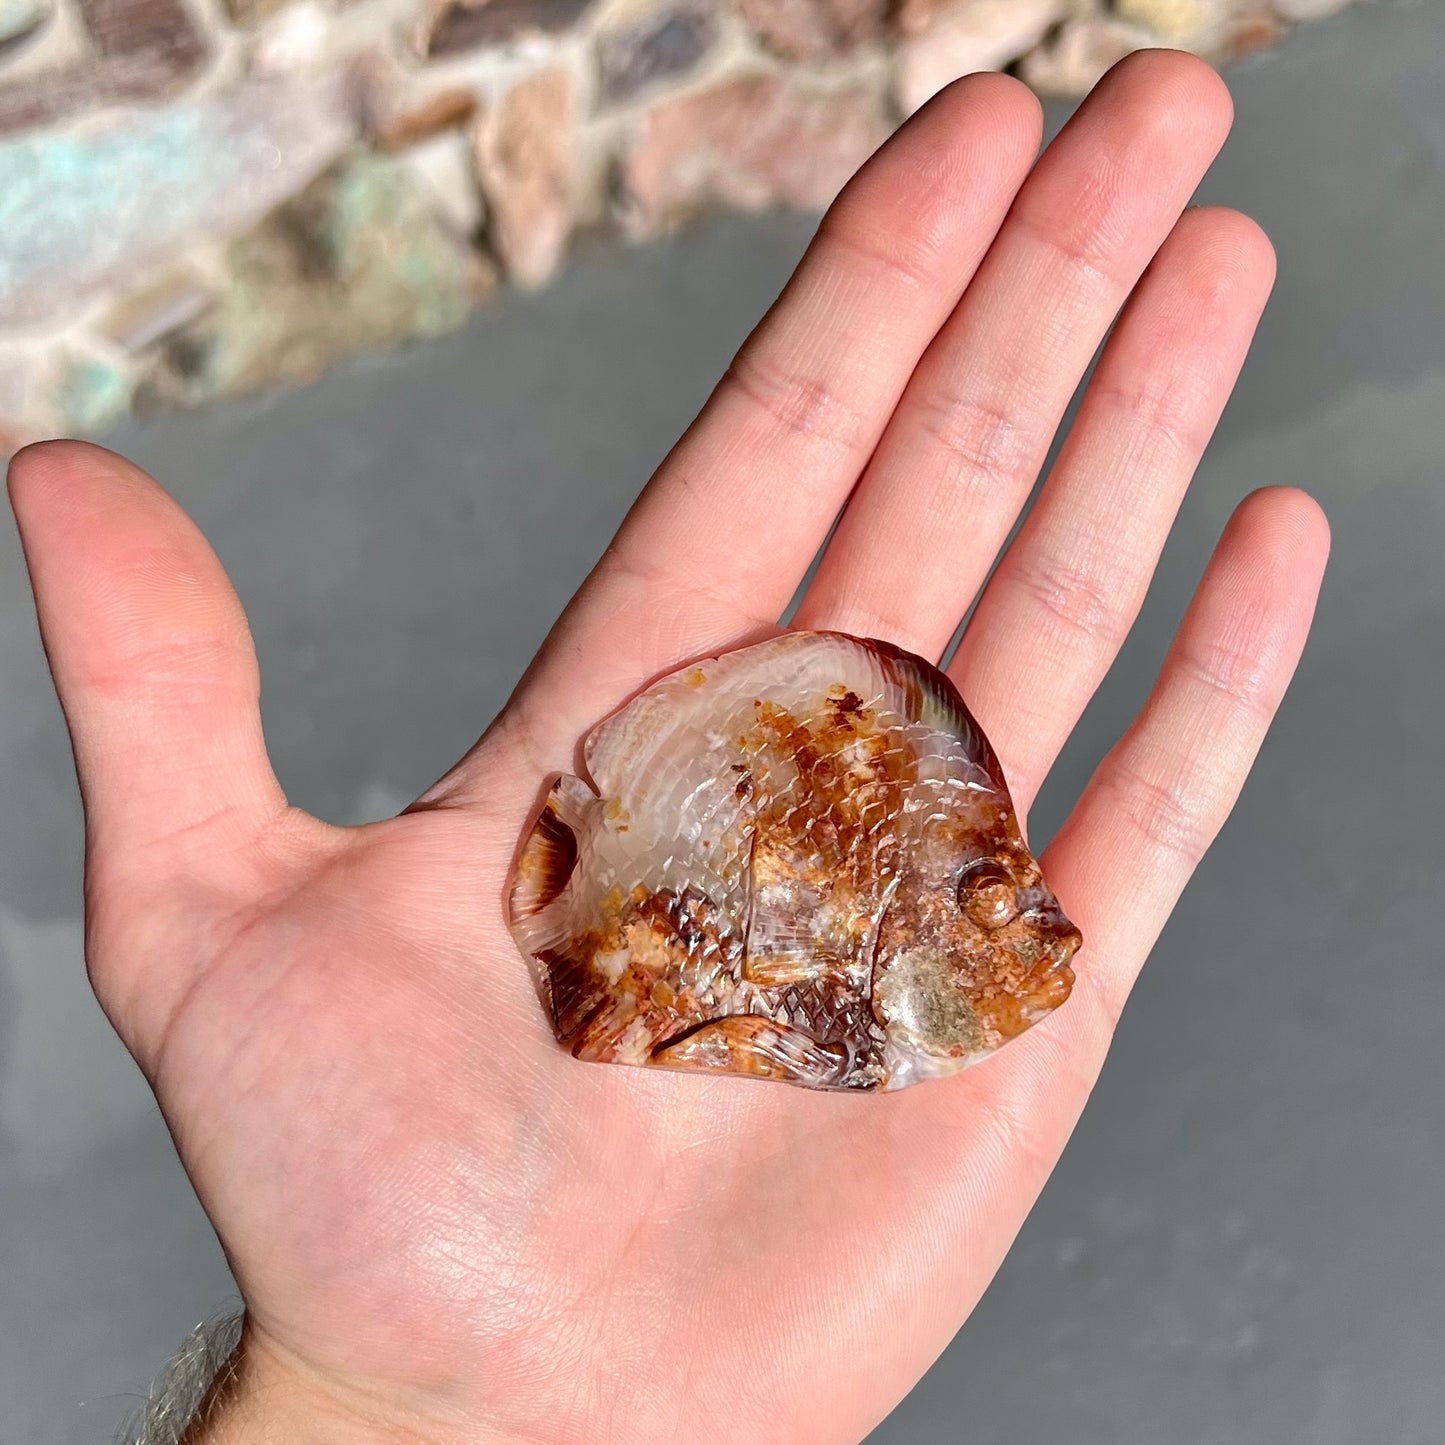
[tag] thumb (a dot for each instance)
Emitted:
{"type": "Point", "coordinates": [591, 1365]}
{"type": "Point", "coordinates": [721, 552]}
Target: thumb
{"type": "Point", "coordinates": [157, 677]}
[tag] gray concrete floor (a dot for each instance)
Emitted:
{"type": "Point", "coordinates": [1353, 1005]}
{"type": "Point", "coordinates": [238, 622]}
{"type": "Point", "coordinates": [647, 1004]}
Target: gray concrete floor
{"type": "Point", "coordinates": [1243, 1242]}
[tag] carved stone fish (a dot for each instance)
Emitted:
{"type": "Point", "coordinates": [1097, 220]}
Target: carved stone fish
{"type": "Point", "coordinates": [800, 862]}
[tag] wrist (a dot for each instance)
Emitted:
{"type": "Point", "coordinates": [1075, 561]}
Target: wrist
{"type": "Point", "coordinates": [262, 1398]}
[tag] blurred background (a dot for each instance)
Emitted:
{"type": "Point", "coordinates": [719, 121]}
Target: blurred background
{"type": "Point", "coordinates": [1243, 1241]}
{"type": "Point", "coordinates": [205, 197]}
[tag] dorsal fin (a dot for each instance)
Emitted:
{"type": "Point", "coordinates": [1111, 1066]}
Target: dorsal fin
{"type": "Point", "coordinates": [928, 696]}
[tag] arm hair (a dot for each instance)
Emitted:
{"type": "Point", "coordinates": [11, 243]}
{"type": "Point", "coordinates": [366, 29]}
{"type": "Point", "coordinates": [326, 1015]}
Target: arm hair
{"type": "Point", "coordinates": [189, 1385]}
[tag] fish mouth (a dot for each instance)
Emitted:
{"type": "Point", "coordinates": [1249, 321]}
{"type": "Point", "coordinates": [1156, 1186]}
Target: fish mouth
{"type": "Point", "coordinates": [1066, 946]}
{"type": "Point", "coordinates": [1051, 979]}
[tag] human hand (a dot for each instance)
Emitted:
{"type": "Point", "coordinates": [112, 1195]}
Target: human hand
{"type": "Point", "coordinates": [445, 1229]}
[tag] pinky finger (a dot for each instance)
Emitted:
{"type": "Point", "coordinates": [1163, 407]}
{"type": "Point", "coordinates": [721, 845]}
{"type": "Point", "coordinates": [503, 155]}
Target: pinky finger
{"type": "Point", "coordinates": [1163, 792]}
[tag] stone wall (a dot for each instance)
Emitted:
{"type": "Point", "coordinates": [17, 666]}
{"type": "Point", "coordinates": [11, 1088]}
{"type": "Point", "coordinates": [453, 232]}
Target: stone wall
{"type": "Point", "coordinates": [204, 197]}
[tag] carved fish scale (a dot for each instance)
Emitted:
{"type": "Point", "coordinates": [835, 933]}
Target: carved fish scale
{"type": "Point", "coordinates": [799, 861]}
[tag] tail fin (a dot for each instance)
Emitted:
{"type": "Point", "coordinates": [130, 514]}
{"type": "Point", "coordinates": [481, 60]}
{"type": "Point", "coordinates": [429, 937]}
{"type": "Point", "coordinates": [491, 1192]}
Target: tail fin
{"type": "Point", "coordinates": [545, 911]}
{"type": "Point", "coordinates": [550, 852]}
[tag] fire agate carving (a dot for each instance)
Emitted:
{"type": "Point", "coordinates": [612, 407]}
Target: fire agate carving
{"type": "Point", "coordinates": [797, 861]}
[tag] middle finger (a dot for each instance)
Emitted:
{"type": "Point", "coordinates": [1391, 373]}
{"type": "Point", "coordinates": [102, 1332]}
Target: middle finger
{"type": "Point", "coordinates": [971, 431]}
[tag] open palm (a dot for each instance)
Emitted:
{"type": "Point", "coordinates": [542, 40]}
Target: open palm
{"type": "Point", "coordinates": [444, 1228]}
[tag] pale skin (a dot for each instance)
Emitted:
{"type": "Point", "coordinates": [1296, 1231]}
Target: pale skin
{"type": "Point", "coordinates": [446, 1230]}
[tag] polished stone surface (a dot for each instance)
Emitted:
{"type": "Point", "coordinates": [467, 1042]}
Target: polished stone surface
{"type": "Point", "coordinates": [796, 861]}
{"type": "Point", "coordinates": [1242, 1243]}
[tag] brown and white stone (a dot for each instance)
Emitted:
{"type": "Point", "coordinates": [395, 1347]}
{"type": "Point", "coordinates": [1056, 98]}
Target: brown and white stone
{"type": "Point", "coordinates": [1186, 24]}
{"type": "Point", "coordinates": [403, 105]}
{"type": "Point", "coordinates": [20, 20]}
{"type": "Point", "coordinates": [426, 116]}
{"type": "Point", "coordinates": [300, 38]}
{"type": "Point", "coordinates": [964, 38]}
{"type": "Point", "coordinates": [251, 12]}
{"type": "Point", "coordinates": [815, 30]}
{"type": "Point", "coordinates": [662, 45]}
{"type": "Point", "coordinates": [1072, 62]}
{"type": "Point", "coordinates": [156, 310]}
{"type": "Point", "coordinates": [459, 25]}
{"type": "Point", "coordinates": [1254, 28]}
{"type": "Point", "coordinates": [748, 143]}
{"type": "Point", "coordinates": [525, 146]}
{"type": "Point", "coordinates": [142, 50]}
{"type": "Point", "coordinates": [443, 171]}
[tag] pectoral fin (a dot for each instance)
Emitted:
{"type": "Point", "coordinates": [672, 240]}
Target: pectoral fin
{"type": "Point", "coordinates": [750, 1044]}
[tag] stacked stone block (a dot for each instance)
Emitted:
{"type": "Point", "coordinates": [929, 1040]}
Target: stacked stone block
{"type": "Point", "coordinates": [205, 197]}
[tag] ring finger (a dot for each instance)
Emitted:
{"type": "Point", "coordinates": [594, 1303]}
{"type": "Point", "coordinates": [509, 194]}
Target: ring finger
{"type": "Point", "coordinates": [1069, 587]}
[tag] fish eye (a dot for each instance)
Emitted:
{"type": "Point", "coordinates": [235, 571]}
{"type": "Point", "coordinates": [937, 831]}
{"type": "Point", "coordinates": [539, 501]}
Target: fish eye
{"type": "Point", "coordinates": [987, 894]}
